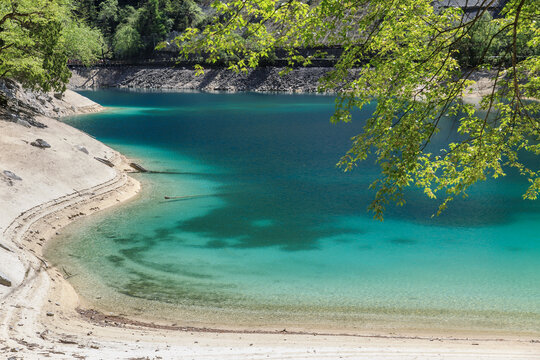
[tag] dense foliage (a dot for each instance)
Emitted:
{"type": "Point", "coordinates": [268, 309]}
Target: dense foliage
{"type": "Point", "coordinates": [485, 43]}
{"type": "Point", "coordinates": [39, 37]}
{"type": "Point", "coordinates": [415, 62]}
{"type": "Point", "coordinates": [36, 39]}
{"type": "Point", "coordinates": [134, 28]}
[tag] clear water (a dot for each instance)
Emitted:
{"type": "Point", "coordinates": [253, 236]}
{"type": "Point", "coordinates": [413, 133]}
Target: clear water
{"type": "Point", "coordinates": [278, 236]}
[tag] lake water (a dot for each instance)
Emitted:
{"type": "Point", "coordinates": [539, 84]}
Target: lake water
{"type": "Point", "coordinates": [277, 237]}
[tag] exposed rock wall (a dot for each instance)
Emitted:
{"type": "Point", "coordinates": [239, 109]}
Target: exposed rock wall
{"type": "Point", "coordinates": [261, 79]}
{"type": "Point", "coordinates": [305, 80]}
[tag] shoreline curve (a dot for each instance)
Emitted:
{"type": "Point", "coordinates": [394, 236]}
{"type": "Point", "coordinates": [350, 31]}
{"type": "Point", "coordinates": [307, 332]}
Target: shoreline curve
{"type": "Point", "coordinates": [39, 316]}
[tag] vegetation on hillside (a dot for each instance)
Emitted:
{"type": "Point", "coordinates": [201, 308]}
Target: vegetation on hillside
{"type": "Point", "coordinates": [37, 37]}
{"type": "Point", "coordinates": [134, 28]}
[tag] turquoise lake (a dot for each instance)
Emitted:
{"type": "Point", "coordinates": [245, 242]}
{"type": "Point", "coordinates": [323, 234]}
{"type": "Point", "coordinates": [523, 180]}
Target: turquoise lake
{"type": "Point", "coordinates": [275, 236]}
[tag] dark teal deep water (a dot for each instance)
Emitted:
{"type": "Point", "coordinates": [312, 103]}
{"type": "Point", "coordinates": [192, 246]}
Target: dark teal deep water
{"type": "Point", "coordinates": [279, 235]}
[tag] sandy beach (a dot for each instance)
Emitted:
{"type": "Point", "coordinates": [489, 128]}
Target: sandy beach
{"type": "Point", "coordinates": [41, 316]}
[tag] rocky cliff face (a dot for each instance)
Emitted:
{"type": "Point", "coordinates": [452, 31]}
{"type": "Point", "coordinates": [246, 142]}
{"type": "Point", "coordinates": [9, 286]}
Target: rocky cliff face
{"type": "Point", "coordinates": [260, 80]}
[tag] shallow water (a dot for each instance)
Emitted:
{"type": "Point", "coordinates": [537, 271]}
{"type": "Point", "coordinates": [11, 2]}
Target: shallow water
{"type": "Point", "coordinates": [277, 235]}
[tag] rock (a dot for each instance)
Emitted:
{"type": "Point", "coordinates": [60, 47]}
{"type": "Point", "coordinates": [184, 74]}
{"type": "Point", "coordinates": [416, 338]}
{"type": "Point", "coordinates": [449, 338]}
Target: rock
{"type": "Point", "coordinates": [23, 123]}
{"type": "Point", "coordinates": [261, 79]}
{"type": "Point", "coordinates": [59, 96]}
{"type": "Point", "coordinates": [11, 175]}
{"type": "Point", "coordinates": [50, 313]}
{"type": "Point", "coordinates": [138, 167]}
{"type": "Point", "coordinates": [40, 143]}
{"type": "Point", "coordinates": [4, 281]}
{"type": "Point", "coordinates": [36, 123]}
{"type": "Point", "coordinates": [105, 161]}
{"type": "Point", "coordinates": [82, 148]}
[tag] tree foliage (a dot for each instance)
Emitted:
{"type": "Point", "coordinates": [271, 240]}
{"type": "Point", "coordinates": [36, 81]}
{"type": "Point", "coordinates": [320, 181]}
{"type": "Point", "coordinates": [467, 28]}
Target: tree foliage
{"type": "Point", "coordinates": [108, 17]}
{"type": "Point", "coordinates": [30, 31]}
{"type": "Point", "coordinates": [36, 39]}
{"type": "Point", "coordinates": [133, 28]}
{"type": "Point", "coordinates": [153, 23]}
{"type": "Point", "coordinates": [127, 41]}
{"type": "Point", "coordinates": [184, 14]}
{"type": "Point", "coordinates": [82, 43]}
{"type": "Point", "coordinates": [403, 55]}
{"type": "Point", "coordinates": [471, 51]}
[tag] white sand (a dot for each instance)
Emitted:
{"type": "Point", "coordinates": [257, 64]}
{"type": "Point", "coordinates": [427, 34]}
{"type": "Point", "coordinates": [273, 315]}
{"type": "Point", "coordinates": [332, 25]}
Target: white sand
{"type": "Point", "coordinates": [62, 181]}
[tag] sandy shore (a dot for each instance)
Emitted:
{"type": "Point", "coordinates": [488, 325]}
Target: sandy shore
{"type": "Point", "coordinates": [41, 316]}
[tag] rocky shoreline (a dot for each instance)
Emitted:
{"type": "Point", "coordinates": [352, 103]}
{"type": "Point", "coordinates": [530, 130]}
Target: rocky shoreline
{"type": "Point", "coordinates": [265, 79]}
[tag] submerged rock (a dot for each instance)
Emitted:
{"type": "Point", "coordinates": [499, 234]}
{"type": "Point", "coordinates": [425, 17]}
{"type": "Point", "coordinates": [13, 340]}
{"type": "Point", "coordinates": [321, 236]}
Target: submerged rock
{"type": "Point", "coordinates": [40, 143]}
{"type": "Point", "coordinates": [138, 167]}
